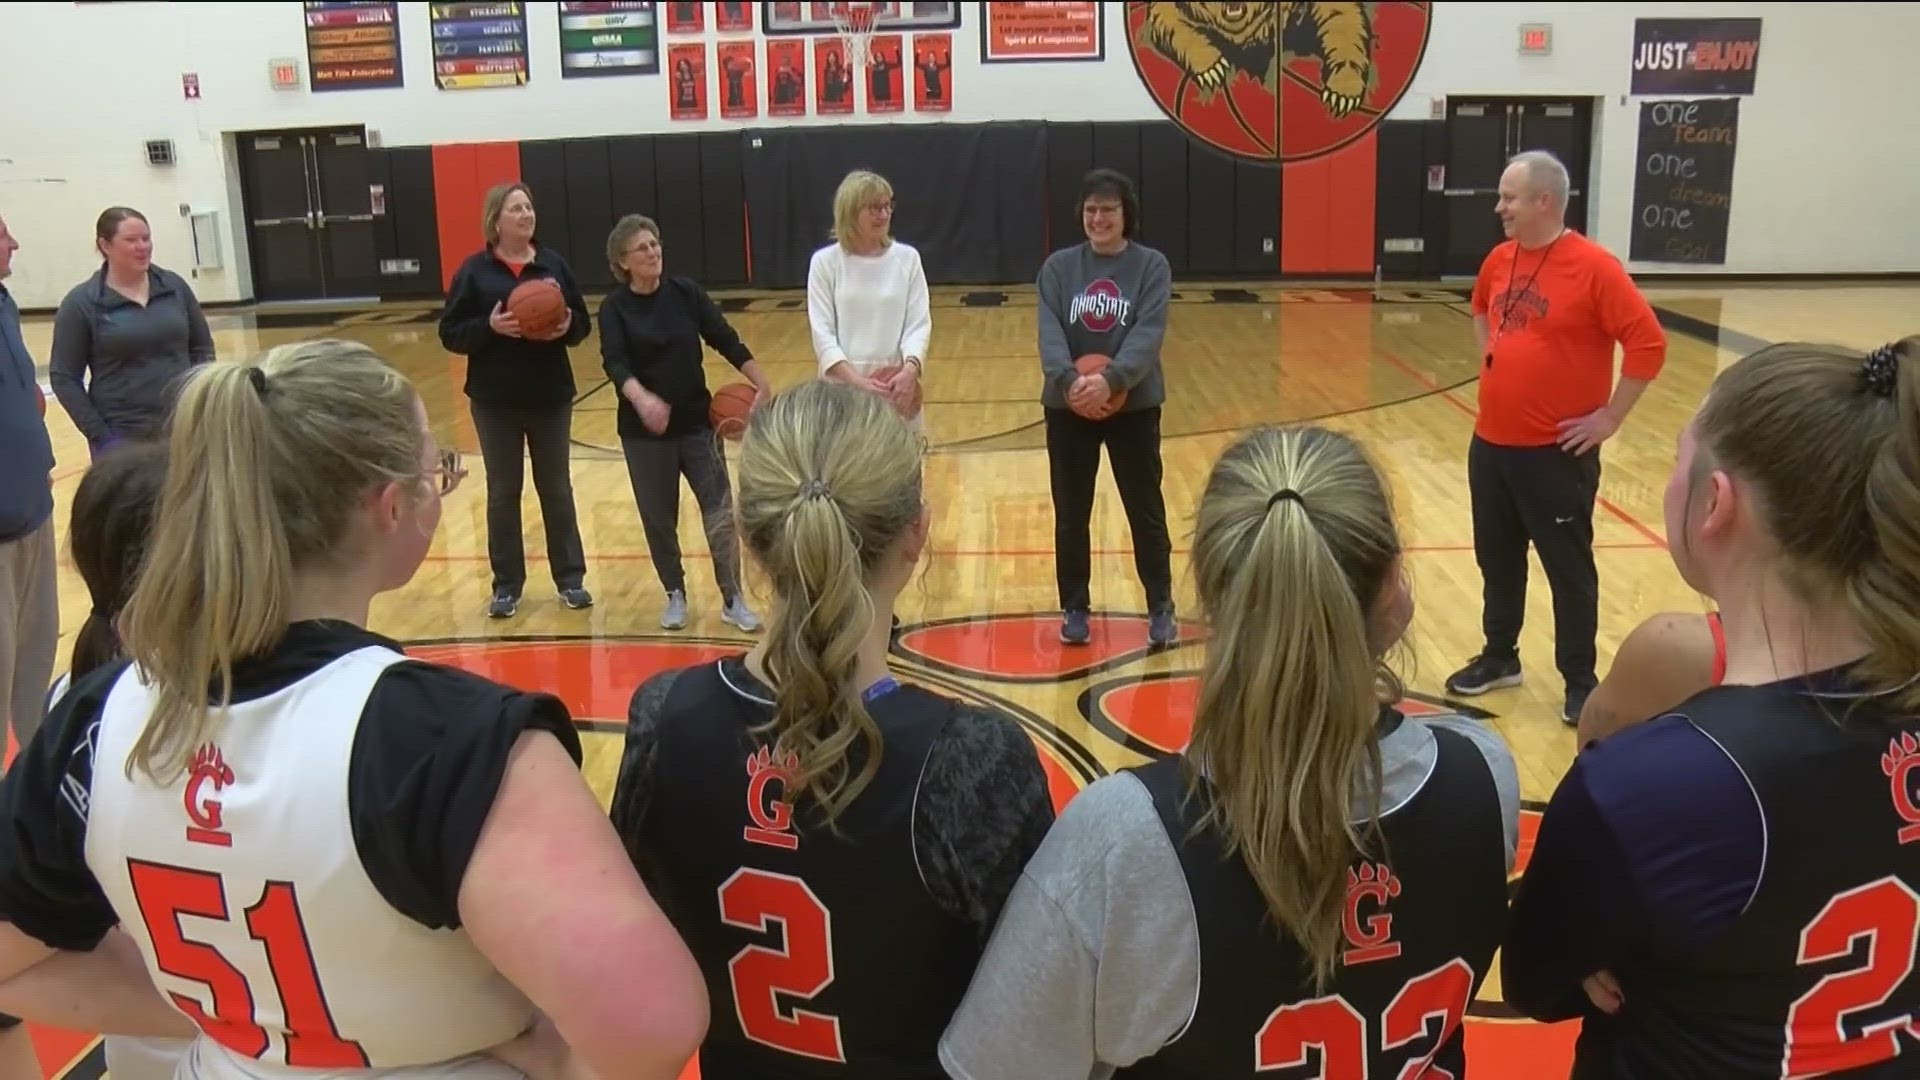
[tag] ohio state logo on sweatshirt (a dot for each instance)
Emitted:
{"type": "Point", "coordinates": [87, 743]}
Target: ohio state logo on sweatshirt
{"type": "Point", "coordinates": [1100, 307]}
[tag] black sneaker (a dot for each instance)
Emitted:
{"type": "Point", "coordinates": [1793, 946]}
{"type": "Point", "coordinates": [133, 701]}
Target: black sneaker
{"type": "Point", "coordinates": [1576, 704]}
{"type": "Point", "coordinates": [1484, 673]}
{"type": "Point", "coordinates": [503, 606]}
{"type": "Point", "coordinates": [576, 598]}
{"type": "Point", "coordinates": [1075, 628]}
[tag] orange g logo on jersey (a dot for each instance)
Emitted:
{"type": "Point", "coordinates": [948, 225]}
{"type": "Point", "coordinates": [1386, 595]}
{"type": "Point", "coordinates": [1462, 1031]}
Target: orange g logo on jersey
{"type": "Point", "coordinates": [772, 817]}
{"type": "Point", "coordinates": [1370, 938]}
{"type": "Point", "coordinates": [207, 767]}
{"type": "Point", "coordinates": [1901, 763]}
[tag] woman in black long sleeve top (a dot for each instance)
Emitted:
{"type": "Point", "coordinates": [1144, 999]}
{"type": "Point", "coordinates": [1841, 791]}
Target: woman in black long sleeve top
{"type": "Point", "coordinates": [521, 391]}
{"type": "Point", "coordinates": [650, 335]}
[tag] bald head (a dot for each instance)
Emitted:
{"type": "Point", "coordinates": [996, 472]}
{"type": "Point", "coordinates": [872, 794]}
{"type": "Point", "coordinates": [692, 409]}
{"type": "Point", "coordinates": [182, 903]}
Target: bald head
{"type": "Point", "coordinates": [1533, 197]}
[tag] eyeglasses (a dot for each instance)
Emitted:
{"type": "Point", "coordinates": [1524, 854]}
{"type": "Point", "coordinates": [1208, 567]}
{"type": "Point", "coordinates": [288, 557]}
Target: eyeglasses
{"type": "Point", "coordinates": [450, 471]}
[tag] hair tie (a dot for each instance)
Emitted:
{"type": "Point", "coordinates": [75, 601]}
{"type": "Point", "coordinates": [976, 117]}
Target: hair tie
{"type": "Point", "coordinates": [259, 380]}
{"type": "Point", "coordinates": [1285, 493]}
{"type": "Point", "coordinates": [1882, 370]}
{"type": "Point", "coordinates": [815, 489]}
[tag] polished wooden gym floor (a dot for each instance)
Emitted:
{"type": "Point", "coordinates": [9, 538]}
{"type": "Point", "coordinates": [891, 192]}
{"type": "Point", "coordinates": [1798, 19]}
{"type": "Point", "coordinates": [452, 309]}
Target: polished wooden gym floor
{"type": "Point", "coordinates": [1394, 366]}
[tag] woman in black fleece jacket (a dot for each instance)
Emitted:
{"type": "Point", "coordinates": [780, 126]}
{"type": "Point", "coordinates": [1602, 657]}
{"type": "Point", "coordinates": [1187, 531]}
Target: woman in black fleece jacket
{"type": "Point", "coordinates": [521, 392]}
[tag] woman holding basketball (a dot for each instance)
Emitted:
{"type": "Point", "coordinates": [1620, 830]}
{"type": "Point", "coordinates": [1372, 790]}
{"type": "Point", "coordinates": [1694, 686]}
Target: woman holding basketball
{"type": "Point", "coordinates": [881, 824]}
{"type": "Point", "coordinates": [1106, 296]}
{"type": "Point", "coordinates": [650, 335]}
{"type": "Point", "coordinates": [1314, 854]}
{"type": "Point", "coordinates": [867, 297]}
{"type": "Point", "coordinates": [520, 383]}
{"type": "Point", "coordinates": [1732, 889]}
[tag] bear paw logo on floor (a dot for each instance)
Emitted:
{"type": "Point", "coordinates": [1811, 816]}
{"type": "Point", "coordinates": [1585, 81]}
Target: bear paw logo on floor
{"type": "Point", "coordinates": [1270, 82]}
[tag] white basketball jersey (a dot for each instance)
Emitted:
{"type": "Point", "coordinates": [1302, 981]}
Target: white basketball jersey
{"type": "Point", "coordinates": [242, 885]}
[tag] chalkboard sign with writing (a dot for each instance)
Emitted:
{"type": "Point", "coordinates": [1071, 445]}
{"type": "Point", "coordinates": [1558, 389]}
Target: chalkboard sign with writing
{"type": "Point", "coordinates": [1683, 180]}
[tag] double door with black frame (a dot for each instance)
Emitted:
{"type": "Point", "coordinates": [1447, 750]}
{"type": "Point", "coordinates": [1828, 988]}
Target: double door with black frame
{"type": "Point", "coordinates": [309, 213]}
{"type": "Point", "coordinates": [1483, 134]}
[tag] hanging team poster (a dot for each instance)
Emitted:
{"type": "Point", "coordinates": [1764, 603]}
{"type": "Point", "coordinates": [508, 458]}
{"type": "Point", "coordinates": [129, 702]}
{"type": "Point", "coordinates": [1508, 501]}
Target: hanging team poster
{"type": "Point", "coordinates": [480, 45]}
{"type": "Point", "coordinates": [730, 16]}
{"type": "Point", "coordinates": [687, 80]}
{"type": "Point", "coordinates": [353, 46]}
{"type": "Point", "coordinates": [612, 37]}
{"type": "Point", "coordinates": [932, 73]}
{"type": "Point", "coordinates": [786, 77]}
{"type": "Point", "coordinates": [685, 18]}
{"type": "Point", "coordinates": [1683, 181]}
{"type": "Point", "coordinates": [833, 78]}
{"type": "Point", "coordinates": [1695, 56]}
{"type": "Point", "coordinates": [739, 94]}
{"type": "Point", "coordinates": [885, 84]}
{"type": "Point", "coordinates": [1028, 33]}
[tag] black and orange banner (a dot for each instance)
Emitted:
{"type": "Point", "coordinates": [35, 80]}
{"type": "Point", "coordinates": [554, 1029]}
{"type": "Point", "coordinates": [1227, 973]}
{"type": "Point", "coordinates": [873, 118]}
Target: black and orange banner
{"type": "Point", "coordinates": [932, 73]}
{"type": "Point", "coordinates": [739, 92]}
{"type": "Point", "coordinates": [1030, 33]}
{"type": "Point", "coordinates": [885, 84]}
{"type": "Point", "coordinates": [687, 80]}
{"type": "Point", "coordinates": [786, 78]}
{"type": "Point", "coordinates": [353, 46]}
{"type": "Point", "coordinates": [832, 78]}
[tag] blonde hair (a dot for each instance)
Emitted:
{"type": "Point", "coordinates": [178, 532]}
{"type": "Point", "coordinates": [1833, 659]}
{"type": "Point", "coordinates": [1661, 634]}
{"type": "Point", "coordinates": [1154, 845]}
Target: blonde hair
{"type": "Point", "coordinates": [495, 202]}
{"type": "Point", "coordinates": [623, 233]}
{"type": "Point", "coordinates": [1294, 545]}
{"type": "Point", "coordinates": [1831, 438]}
{"type": "Point", "coordinates": [830, 478]}
{"type": "Point", "coordinates": [265, 464]}
{"type": "Point", "coordinates": [860, 189]}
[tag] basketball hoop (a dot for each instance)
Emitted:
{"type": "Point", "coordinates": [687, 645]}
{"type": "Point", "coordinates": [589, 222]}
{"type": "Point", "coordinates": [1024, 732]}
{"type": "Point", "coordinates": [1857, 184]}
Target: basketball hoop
{"type": "Point", "coordinates": [854, 22]}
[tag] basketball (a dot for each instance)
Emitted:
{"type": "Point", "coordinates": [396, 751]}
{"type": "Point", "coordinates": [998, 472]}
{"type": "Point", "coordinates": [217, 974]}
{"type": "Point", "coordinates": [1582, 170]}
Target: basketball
{"type": "Point", "coordinates": [732, 405]}
{"type": "Point", "coordinates": [539, 305]}
{"type": "Point", "coordinates": [1093, 364]}
{"type": "Point", "coordinates": [919, 392]}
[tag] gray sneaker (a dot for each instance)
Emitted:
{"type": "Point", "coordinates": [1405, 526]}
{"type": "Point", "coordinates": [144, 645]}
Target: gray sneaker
{"type": "Point", "coordinates": [739, 614]}
{"type": "Point", "coordinates": [675, 617]}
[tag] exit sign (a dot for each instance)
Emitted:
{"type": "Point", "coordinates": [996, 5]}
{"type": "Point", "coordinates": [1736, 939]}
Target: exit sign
{"type": "Point", "coordinates": [1536, 39]}
{"type": "Point", "coordinates": [284, 74]}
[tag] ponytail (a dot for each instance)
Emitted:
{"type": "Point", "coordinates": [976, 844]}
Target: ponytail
{"type": "Point", "coordinates": [220, 576]}
{"type": "Point", "coordinates": [265, 466]}
{"type": "Point", "coordinates": [1884, 593]}
{"type": "Point", "coordinates": [830, 480]}
{"type": "Point", "coordinates": [1295, 545]}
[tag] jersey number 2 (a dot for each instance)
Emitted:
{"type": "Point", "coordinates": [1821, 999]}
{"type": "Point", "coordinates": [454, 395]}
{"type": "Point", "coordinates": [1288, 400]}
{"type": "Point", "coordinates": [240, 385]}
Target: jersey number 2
{"type": "Point", "coordinates": [1340, 1032]}
{"type": "Point", "coordinates": [165, 893]}
{"type": "Point", "coordinates": [1887, 914]}
{"type": "Point", "coordinates": [802, 968]}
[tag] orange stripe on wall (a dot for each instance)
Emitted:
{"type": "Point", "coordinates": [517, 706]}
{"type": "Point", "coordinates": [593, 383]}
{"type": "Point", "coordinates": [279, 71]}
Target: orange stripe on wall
{"type": "Point", "coordinates": [462, 173]}
{"type": "Point", "coordinates": [1326, 213]}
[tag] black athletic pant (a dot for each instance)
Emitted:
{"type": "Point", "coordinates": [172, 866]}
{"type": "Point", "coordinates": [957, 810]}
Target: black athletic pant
{"type": "Point", "coordinates": [654, 467]}
{"type": "Point", "coordinates": [508, 437]}
{"type": "Point", "coordinates": [1132, 440]}
{"type": "Point", "coordinates": [1545, 495]}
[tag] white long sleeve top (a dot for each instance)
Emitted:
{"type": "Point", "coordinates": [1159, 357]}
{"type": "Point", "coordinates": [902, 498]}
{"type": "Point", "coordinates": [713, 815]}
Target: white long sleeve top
{"type": "Point", "coordinates": [868, 310]}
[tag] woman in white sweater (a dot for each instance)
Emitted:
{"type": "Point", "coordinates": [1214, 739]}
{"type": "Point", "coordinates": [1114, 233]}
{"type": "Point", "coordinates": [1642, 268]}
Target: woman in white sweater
{"type": "Point", "coordinates": [867, 295]}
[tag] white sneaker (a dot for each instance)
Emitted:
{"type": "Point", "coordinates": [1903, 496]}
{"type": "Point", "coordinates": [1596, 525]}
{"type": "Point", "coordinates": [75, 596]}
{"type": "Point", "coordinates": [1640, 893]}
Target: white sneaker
{"type": "Point", "coordinates": [738, 614]}
{"type": "Point", "coordinates": [675, 617]}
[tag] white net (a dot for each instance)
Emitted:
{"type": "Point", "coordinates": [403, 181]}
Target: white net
{"type": "Point", "coordinates": [854, 21]}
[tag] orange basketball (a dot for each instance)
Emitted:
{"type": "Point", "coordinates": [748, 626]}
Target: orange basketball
{"type": "Point", "coordinates": [539, 305]}
{"type": "Point", "coordinates": [732, 405]}
{"type": "Point", "coordinates": [1093, 364]}
{"type": "Point", "coordinates": [919, 391]}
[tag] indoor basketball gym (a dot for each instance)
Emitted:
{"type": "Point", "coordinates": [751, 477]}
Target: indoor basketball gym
{"type": "Point", "coordinates": [323, 177]}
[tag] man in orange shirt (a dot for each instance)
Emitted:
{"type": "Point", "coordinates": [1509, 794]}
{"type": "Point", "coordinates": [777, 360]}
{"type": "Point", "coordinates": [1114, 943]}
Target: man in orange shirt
{"type": "Point", "coordinates": [1548, 308]}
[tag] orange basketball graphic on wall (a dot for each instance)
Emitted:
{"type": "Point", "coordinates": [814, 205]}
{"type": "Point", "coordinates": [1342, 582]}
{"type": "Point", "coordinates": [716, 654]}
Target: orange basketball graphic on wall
{"type": "Point", "coordinates": [1273, 82]}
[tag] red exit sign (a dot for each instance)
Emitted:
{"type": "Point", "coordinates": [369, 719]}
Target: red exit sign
{"type": "Point", "coordinates": [1536, 39]}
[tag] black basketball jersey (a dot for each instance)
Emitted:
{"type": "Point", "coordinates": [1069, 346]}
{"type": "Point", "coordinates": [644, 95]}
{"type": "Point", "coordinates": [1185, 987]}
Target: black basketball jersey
{"type": "Point", "coordinates": [1818, 975]}
{"type": "Point", "coordinates": [824, 954]}
{"type": "Point", "coordinates": [1420, 931]}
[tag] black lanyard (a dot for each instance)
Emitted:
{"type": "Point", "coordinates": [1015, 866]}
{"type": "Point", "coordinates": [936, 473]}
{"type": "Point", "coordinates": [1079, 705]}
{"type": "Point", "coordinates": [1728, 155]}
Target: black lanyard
{"type": "Point", "coordinates": [1513, 294]}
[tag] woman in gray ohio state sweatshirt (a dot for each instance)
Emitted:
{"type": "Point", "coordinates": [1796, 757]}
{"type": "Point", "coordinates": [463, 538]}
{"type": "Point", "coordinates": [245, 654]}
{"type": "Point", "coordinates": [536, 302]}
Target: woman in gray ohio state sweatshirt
{"type": "Point", "coordinates": [1107, 295]}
